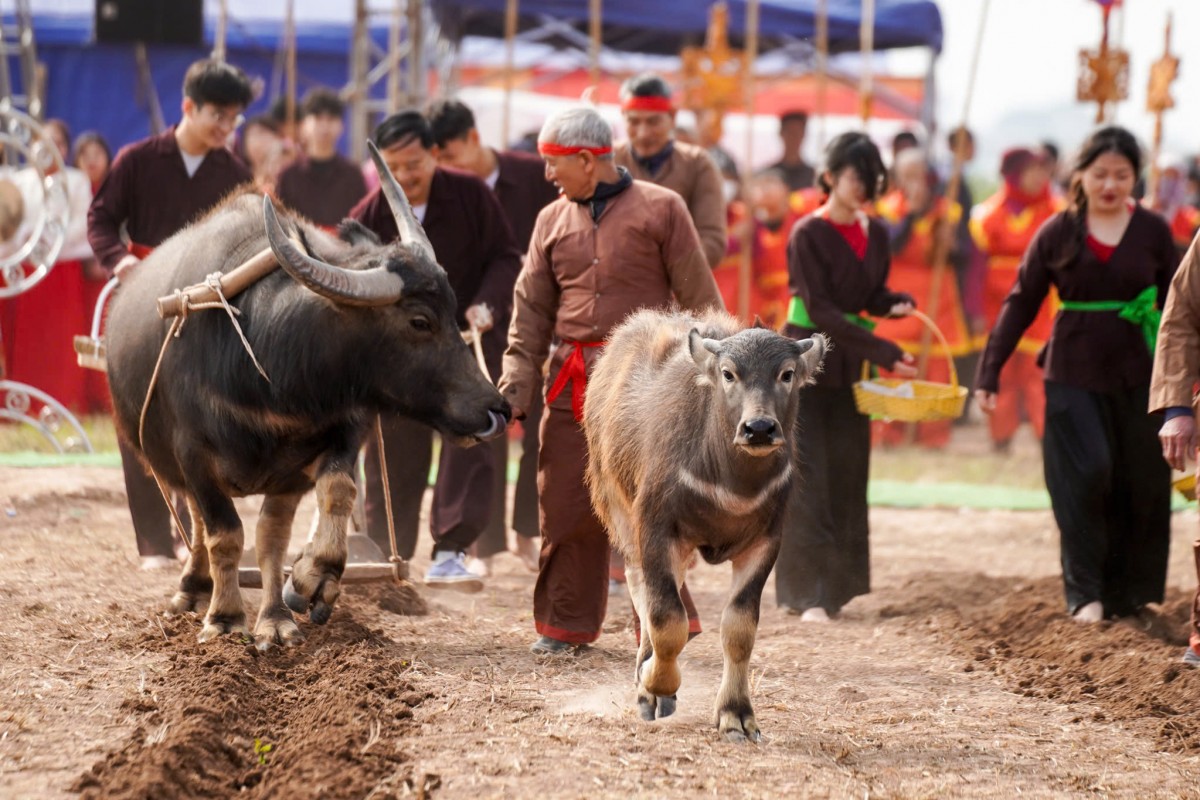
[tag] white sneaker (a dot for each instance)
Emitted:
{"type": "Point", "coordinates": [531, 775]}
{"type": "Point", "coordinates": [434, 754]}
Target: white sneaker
{"type": "Point", "coordinates": [1091, 613]}
{"type": "Point", "coordinates": [816, 614]}
{"type": "Point", "coordinates": [481, 567]}
{"type": "Point", "coordinates": [155, 563]}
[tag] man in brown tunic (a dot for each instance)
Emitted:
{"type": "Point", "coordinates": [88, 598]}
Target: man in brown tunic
{"type": "Point", "coordinates": [520, 184]}
{"type": "Point", "coordinates": [322, 184]}
{"type": "Point", "coordinates": [609, 246]}
{"type": "Point", "coordinates": [1173, 393]}
{"type": "Point", "coordinates": [155, 188]}
{"type": "Point", "coordinates": [652, 154]}
{"type": "Point", "coordinates": [472, 241]}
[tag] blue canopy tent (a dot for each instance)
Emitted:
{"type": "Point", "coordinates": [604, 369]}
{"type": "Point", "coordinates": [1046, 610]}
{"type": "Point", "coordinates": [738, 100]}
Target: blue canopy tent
{"type": "Point", "coordinates": [666, 26]}
{"type": "Point", "coordinates": [96, 86]}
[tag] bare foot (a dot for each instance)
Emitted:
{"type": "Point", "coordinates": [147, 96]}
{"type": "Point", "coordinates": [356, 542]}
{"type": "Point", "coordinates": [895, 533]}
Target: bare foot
{"type": "Point", "coordinates": [815, 615]}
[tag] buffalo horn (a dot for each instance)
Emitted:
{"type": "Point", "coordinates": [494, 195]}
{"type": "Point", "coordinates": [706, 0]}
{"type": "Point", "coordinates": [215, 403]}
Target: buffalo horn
{"type": "Point", "coordinates": [370, 287]}
{"type": "Point", "coordinates": [410, 229]}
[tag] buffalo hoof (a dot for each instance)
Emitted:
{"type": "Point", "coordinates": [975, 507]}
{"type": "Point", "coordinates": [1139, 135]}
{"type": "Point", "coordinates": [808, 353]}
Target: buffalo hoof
{"type": "Point", "coordinates": [294, 601]}
{"type": "Point", "coordinates": [186, 603]}
{"type": "Point", "coordinates": [660, 678]}
{"type": "Point", "coordinates": [218, 625]}
{"type": "Point", "coordinates": [738, 727]}
{"type": "Point", "coordinates": [278, 629]}
{"type": "Point", "coordinates": [651, 707]}
{"type": "Point", "coordinates": [320, 612]}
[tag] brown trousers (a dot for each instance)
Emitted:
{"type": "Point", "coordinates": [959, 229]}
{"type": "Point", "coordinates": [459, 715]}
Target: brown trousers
{"type": "Point", "coordinates": [462, 496]}
{"type": "Point", "coordinates": [152, 524]}
{"type": "Point", "coordinates": [570, 598]}
{"type": "Point", "coordinates": [525, 497]}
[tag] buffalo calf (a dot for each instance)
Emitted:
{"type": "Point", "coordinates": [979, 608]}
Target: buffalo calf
{"type": "Point", "coordinates": [690, 449]}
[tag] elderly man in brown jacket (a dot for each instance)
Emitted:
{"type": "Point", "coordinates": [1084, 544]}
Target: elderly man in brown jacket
{"type": "Point", "coordinates": [608, 246]}
{"type": "Point", "coordinates": [652, 154]}
{"type": "Point", "coordinates": [1173, 391]}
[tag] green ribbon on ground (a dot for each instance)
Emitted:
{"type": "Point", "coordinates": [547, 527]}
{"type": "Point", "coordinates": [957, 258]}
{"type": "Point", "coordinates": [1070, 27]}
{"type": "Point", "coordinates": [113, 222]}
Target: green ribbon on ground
{"type": "Point", "coordinates": [798, 316]}
{"type": "Point", "coordinates": [1141, 311]}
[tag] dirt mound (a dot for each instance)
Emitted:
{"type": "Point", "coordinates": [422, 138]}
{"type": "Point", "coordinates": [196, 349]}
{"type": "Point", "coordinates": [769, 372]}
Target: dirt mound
{"type": "Point", "coordinates": [402, 599]}
{"type": "Point", "coordinates": [1129, 669]}
{"type": "Point", "coordinates": [323, 719]}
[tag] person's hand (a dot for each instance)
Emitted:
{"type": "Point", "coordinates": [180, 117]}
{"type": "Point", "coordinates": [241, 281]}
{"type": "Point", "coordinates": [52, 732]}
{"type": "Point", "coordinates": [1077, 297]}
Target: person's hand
{"type": "Point", "coordinates": [479, 316]}
{"type": "Point", "coordinates": [985, 400]}
{"type": "Point", "coordinates": [905, 366]}
{"type": "Point", "coordinates": [1178, 438]}
{"type": "Point", "coordinates": [977, 325]}
{"type": "Point", "coordinates": [902, 309]}
{"type": "Point", "coordinates": [126, 267]}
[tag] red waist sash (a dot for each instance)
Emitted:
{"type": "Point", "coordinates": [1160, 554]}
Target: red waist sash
{"type": "Point", "coordinates": [574, 372]}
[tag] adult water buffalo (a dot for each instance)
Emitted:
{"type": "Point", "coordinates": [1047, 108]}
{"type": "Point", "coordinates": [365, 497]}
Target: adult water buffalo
{"type": "Point", "coordinates": [689, 426]}
{"type": "Point", "coordinates": [349, 328]}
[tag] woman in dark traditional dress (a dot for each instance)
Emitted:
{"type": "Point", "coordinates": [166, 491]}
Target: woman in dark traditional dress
{"type": "Point", "coordinates": [838, 261]}
{"type": "Point", "coordinates": [1112, 262]}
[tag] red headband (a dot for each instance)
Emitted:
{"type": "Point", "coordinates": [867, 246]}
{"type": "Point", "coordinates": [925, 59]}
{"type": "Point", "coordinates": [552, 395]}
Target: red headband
{"type": "Point", "coordinates": [653, 103]}
{"type": "Point", "coordinates": [551, 149]}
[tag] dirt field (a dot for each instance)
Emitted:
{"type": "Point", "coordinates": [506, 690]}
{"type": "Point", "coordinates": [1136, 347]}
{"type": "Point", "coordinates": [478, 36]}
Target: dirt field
{"type": "Point", "coordinates": [958, 676]}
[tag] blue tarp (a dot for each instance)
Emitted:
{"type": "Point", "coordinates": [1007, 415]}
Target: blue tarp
{"type": "Point", "coordinates": [663, 26]}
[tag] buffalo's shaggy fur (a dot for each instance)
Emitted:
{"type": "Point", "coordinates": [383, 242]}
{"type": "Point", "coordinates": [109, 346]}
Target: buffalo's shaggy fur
{"type": "Point", "coordinates": [216, 429]}
{"type": "Point", "coordinates": [689, 424]}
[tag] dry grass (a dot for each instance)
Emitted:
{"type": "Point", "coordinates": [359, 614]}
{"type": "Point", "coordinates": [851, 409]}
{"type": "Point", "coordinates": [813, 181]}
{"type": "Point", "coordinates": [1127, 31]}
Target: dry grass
{"type": "Point", "coordinates": [19, 438]}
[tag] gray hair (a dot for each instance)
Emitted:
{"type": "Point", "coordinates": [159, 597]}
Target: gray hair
{"type": "Point", "coordinates": [577, 127]}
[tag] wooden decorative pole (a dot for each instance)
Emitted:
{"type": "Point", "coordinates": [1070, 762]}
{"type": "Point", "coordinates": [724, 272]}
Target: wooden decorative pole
{"type": "Point", "coordinates": [1103, 73]}
{"type": "Point", "coordinates": [218, 52]}
{"type": "Point", "coordinates": [1158, 99]}
{"type": "Point", "coordinates": [822, 70]}
{"type": "Point", "coordinates": [510, 41]}
{"type": "Point", "coordinates": [596, 40]}
{"type": "Point", "coordinates": [290, 24]}
{"type": "Point", "coordinates": [746, 266]}
{"type": "Point", "coordinates": [866, 37]}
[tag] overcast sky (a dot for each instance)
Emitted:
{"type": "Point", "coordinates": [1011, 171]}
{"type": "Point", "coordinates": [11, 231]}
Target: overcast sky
{"type": "Point", "coordinates": [1025, 88]}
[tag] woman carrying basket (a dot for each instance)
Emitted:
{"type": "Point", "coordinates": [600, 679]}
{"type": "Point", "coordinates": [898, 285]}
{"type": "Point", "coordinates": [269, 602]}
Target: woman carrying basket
{"type": "Point", "coordinates": [1112, 262]}
{"type": "Point", "coordinates": [838, 261]}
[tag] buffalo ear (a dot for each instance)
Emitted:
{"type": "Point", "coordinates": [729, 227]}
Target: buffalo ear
{"type": "Point", "coordinates": [355, 233]}
{"type": "Point", "coordinates": [699, 347]}
{"type": "Point", "coordinates": [812, 352]}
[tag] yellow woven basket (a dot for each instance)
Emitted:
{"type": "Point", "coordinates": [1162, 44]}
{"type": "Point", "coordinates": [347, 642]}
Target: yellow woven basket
{"type": "Point", "coordinates": [911, 400]}
{"type": "Point", "coordinates": [1186, 486]}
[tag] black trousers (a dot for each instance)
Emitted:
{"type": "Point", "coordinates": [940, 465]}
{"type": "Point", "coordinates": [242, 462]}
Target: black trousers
{"type": "Point", "coordinates": [1111, 493]}
{"type": "Point", "coordinates": [494, 538]}
{"type": "Point", "coordinates": [824, 560]}
{"type": "Point", "coordinates": [152, 524]}
{"type": "Point", "coordinates": [462, 496]}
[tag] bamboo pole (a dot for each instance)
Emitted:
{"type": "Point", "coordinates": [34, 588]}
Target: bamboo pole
{"type": "Point", "coordinates": [595, 40]}
{"type": "Point", "coordinates": [866, 37]}
{"type": "Point", "coordinates": [941, 253]}
{"type": "Point", "coordinates": [822, 72]}
{"type": "Point", "coordinates": [749, 56]}
{"type": "Point", "coordinates": [510, 36]}
{"type": "Point", "coordinates": [290, 103]}
{"type": "Point", "coordinates": [218, 52]}
{"type": "Point", "coordinates": [393, 78]}
{"type": "Point", "coordinates": [1156, 148]}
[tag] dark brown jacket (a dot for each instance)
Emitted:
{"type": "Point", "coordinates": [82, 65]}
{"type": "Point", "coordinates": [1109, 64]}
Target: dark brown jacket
{"type": "Point", "coordinates": [824, 272]}
{"type": "Point", "coordinates": [1094, 350]}
{"type": "Point", "coordinates": [149, 190]}
{"type": "Point", "coordinates": [324, 191]}
{"type": "Point", "coordinates": [471, 240]}
{"type": "Point", "coordinates": [523, 192]}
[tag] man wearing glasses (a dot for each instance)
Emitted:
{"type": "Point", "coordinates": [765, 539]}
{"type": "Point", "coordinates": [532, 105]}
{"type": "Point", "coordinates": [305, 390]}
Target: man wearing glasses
{"type": "Point", "coordinates": [155, 188]}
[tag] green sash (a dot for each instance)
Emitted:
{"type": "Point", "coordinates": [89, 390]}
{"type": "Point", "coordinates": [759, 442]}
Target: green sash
{"type": "Point", "coordinates": [1141, 311]}
{"type": "Point", "coordinates": [798, 316]}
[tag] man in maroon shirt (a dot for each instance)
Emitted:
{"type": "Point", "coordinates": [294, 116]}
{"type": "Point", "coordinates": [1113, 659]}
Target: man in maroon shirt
{"type": "Point", "coordinates": [519, 181]}
{"type": "Point", "coordinates": [472, 240]}
{"type": "Point", "coordinates": [155, 188]}
{"type": "Point", "coordinates": [322, 184]}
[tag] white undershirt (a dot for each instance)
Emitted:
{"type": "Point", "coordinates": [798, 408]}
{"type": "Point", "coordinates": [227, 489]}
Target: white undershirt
{"type": "Point", "coordinates": [490, 180]}
{"type": "Point", "coordinates": [192, 163]}
{"type": "Point", "coordinates": [419, 212]}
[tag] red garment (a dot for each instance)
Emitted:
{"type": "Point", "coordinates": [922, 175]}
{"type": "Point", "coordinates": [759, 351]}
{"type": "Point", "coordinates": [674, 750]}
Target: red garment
{"type": "Point", "coordinates": [40, 332]}
{"type": "Point", "coordinates": [1021, 390]}
{"type": "Point", "coordinates": [854, 235]}
{"type": "Point", "coordinates": [574, 372]}
{"type": "Point", "coordinates": [1103, 251]}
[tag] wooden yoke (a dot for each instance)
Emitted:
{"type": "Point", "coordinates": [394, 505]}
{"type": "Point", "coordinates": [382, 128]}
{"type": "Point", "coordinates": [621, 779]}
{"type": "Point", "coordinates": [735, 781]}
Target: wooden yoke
{"type": "Point", "coordinates": [232, 283]}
